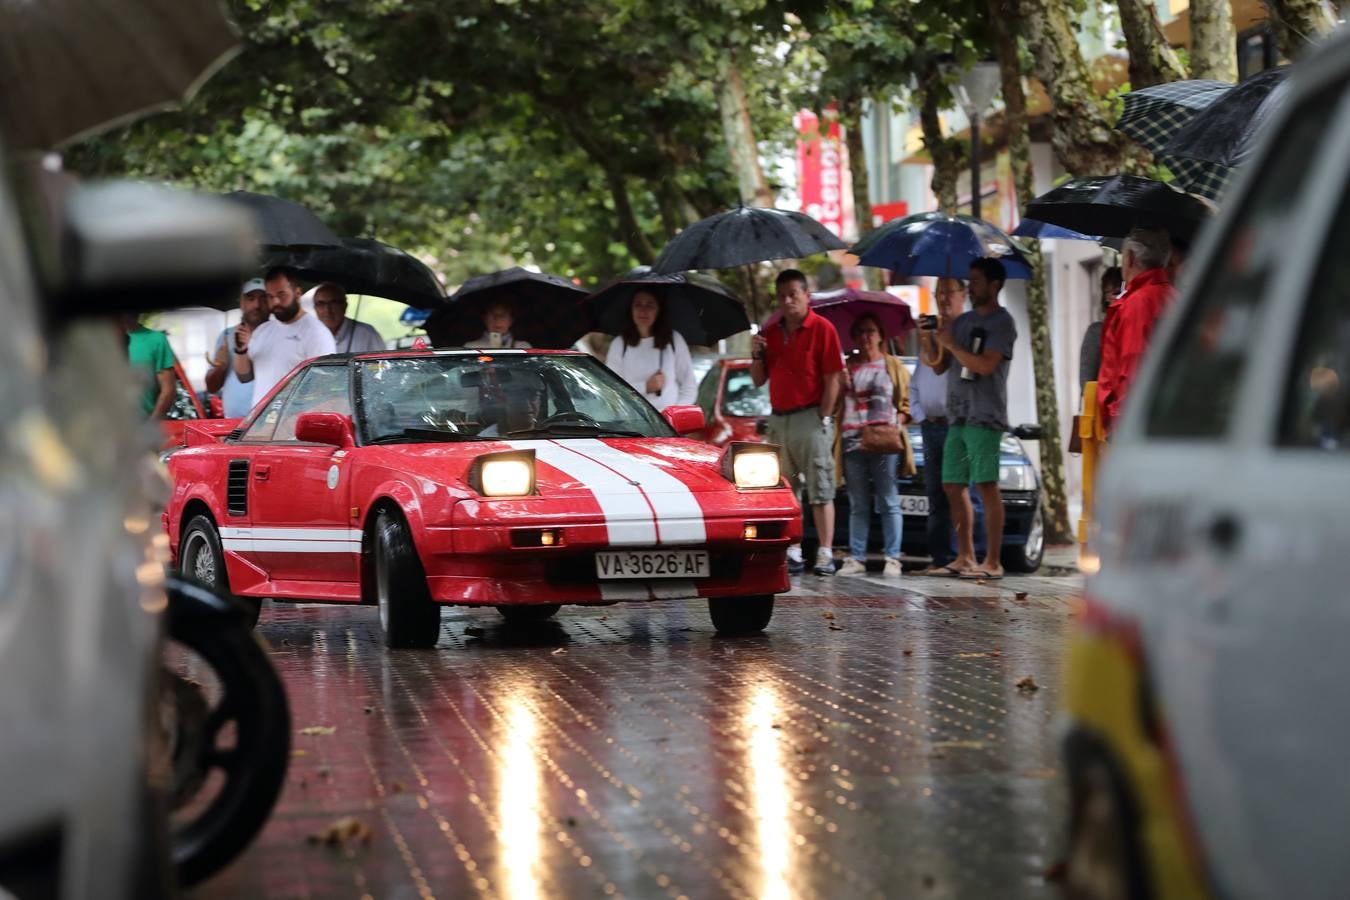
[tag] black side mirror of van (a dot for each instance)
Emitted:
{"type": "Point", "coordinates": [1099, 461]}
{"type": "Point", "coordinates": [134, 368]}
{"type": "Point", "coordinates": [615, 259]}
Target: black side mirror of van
{"type": "Point", "coordinates": [1028, 431]}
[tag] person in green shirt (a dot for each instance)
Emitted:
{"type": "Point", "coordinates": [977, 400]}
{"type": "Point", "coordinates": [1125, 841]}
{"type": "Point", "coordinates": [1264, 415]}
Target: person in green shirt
{"type": "Point", "coordinates": [151, 356]}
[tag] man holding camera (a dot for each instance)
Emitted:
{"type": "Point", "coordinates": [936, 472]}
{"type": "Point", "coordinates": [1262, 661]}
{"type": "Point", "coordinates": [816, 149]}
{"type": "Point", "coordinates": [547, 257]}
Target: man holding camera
{"type": "Point", "coordinates": [928, 404]}
{"type": "Point", "coordinates": [980, 342]}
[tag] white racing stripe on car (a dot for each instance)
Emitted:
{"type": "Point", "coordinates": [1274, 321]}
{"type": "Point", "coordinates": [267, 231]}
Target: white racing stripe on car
{"type": "Point", "coordinates": [628, 515]}
{"type": "Point", "coordinates": [679, 518]}
{"type": "Point", "coordinates": [291, 540]}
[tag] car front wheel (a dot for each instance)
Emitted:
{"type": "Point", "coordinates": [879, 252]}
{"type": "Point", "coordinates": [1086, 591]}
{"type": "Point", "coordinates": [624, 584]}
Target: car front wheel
{"type": "Point", "coordinates": [408, 615]}
{"type": "Point", "coordinates": [1027, 557]}
{"type": "Point", "coordinates": [1103, 859]}
{"type": "Point", "coordinates": [201, 558]}
{"type": "Point", "coordinates": [736, 616]}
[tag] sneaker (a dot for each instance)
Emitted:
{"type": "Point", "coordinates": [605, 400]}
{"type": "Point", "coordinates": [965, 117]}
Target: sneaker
{"type": "Point", "coordinates": [824, 562]}
{"type": "Point", "coordinates": [796, 565]}
{"type": "Point", "coordinates": [892, 569]}
{"type": "Point", "coordinates": [852, 567]}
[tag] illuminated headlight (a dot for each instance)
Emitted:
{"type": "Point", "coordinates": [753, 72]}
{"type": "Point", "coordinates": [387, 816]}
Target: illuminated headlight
{"type": "Point", "coordinates": [755, 468]}
{"type": "Point", "coordinates": [504, 474]}
{"type": "Point", "coordinates": [1016, 478]}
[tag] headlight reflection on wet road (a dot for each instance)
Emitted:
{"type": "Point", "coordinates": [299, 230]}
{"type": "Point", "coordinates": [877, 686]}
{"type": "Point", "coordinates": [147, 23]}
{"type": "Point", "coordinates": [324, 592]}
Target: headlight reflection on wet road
{"type": "Point", "coordinates": [519, 791]}
{"type": "Point", "coordinates": [771, 798]}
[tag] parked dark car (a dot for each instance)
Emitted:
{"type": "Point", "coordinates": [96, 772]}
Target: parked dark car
{"type": "Point", "coordinates": [736, 410]}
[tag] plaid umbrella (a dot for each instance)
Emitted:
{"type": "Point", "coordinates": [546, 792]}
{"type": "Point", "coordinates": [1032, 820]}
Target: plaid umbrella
{"type": "Point", "coordinates": [1153, 114]}
{"type": "Point", "coordinates": [1203, 179]}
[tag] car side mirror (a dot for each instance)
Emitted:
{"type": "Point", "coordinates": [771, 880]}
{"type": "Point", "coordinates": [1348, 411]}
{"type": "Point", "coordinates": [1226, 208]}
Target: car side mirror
{"type": "Point", "coordinates": [129, 248]}
{"type": "Point", "coordinates": [330, 428]}
{"type": "Point", "coordinates": [1027, 431]}
{"type": "Point", "coordinates": [685, 419]}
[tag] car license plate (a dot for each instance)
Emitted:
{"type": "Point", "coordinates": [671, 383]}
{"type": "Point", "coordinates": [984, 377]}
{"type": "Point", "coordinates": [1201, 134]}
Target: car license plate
{"type": "Point", "coordinates": [652, 564]}
{"type": "Point", "coordinates": [914, 504]}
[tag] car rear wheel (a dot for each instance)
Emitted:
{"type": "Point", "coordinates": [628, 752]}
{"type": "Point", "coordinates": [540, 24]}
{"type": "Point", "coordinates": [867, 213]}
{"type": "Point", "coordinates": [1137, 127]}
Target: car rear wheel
{"type": "Point", "coordinates": [408, 615]}
{"type": "Point", "coordinates": [201, 558]}
{"type": "Point", "coordinates": [1027, 557]}
{"type": "Point", "coordinates": [1103, 857]}
{"type": "Point", "coordinates": [522, 614]}
{"type": "Point", "coordinates": [736, 616]}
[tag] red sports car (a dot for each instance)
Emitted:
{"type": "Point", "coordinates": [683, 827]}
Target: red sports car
{"type": "Point", "coordinates": [516, 479]}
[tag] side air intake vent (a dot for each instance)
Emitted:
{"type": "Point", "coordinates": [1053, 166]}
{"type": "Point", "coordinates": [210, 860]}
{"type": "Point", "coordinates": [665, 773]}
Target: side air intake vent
{"type": "Point", "coordinates": [236, 489]}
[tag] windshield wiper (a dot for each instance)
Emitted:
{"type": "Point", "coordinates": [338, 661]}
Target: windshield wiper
{"type": "Point", "coordinates": [422, 435]}
{"type": "Point", "coordinates": [575, 428]}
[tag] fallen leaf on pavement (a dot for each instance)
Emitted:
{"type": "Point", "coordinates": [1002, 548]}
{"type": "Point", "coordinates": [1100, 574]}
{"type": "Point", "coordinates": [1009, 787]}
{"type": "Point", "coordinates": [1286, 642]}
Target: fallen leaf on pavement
{"type": "Point", "coordinates": [346, 830]}
{"type": "Point", "coordinates": [397, 787]}
{"type": "Point", "coordinates": [318, 729]}
{"type": "Point", "coordinates": [908, 652]}
{"type": "Point", "coordinates": [299, 752]}
{"type": "Point", "coordinates": [834, 627]}
{"type": "Point", "coordinates": [559, 652]}
{"type": "Point", "coordinates": [1021, 595]}
{"type": "Point", "coordinates": [827, 615]}
{"type": "Point", "coordinates": [369, 710]}
{"type": "Point", "coordinates": [1028, 684]}
{"type": "Point", "coordinates": [891, 616]}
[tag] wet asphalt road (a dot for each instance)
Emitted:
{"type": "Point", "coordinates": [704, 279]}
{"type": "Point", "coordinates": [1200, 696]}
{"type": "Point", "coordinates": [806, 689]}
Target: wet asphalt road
{"type": "Point", "coordinates": [873, 743]}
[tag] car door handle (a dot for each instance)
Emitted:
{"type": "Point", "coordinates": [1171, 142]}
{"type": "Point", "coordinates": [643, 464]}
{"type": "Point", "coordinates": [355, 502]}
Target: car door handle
{"type": "Point", "coordinates": [261, 472]}
{"type": "Point", "coordinates": [1225, 532]}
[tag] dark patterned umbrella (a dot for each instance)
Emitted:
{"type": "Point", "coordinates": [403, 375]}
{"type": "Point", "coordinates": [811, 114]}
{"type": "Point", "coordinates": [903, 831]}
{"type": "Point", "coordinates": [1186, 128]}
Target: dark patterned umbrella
{"type": "Point", "coordinates": [934, 243]}
{"type": "Point", "coordinates": [1153, 114]}
{"type": "Point", "coordinates": [547, 309]}
{"type": "Point", "coordinates": [283, 224]}
{"type": "Point", "coordinates": [698, 307]}
{"type": "Point", "coordinates": [747, 234]}
{"type": "Point", "coordinates": [1225, 132]}
{"type": "Point", "coordinates": [1112, 205]}
{"type": "Point", "coordinates": [367, 266]}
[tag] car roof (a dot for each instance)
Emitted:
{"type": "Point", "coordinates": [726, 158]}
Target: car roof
{"type": "Point", "coordinates": [431, 354]}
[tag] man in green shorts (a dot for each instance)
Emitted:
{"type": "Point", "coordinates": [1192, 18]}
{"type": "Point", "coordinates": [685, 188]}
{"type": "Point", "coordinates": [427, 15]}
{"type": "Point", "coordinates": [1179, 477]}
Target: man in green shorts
{"type": "Point", "coordinates": [980, 345]}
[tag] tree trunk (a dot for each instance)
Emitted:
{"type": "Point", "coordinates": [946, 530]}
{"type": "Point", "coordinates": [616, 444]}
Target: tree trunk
{"type": "Point", "coordinates": [629, 229]}
{"type": "Point", "coordinates": [1038, 307]}
{"type": "Point", "coordinates": [948, 155]}
{"type": "Point", "coordinates": [1297, 24]}
{"type": "Point", "coordinates": [739, 133]}
{"type": "Point", "coordinates": [1213, 40]}
{"type": "Point", "coordinates": [1152, 59]}
{"type": "Point", "coordinates": [1082, 136]}
{"type": "Point", "coordinates": [850, 118]}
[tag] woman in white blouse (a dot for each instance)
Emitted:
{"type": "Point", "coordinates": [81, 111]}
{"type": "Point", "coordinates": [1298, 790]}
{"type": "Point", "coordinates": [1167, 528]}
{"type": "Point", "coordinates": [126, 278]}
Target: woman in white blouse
{"type": "Point", "coordinates": [652, 357]}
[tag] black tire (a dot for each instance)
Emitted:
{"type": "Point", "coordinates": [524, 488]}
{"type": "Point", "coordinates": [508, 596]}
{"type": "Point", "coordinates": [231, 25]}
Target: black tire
{"type": "Point", "coordinates": [737, 616]}
{"type": "Point", "coordinates": [1105, 858]}
{"type": "Point", "coordinates": [408, 615]}
{"type": "Point", "coordinates": [1026, 558]}
{"type": "Point", "coordinates": [201, 558]}
{"type": "Point", "coordinates": [254, 766]}
{"type": "Point", "coordinates": [520, 615]}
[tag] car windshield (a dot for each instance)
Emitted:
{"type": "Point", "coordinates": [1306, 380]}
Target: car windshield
{"type": "Point", "coordinates": [742, 398]}
{"type": "Point", "coordinates": [492, 396]}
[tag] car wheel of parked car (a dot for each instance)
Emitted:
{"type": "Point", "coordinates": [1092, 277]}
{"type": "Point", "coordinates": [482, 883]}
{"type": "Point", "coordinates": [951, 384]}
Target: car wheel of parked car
{"type": "Point", "coordinates": [734, 616]}
{"type": "Point", "coordinates": [1027, 557]}
{"type": "Point", "coordinates": [241, 730]}
{"type": "Point", "coordinates": [1103, 858]}
{"type": "Point", "coordinates": [408, 615]}
{"type": "Point", "coordinates": [201, 558]}
{"type": "Point", "coordinates": [523, 614]}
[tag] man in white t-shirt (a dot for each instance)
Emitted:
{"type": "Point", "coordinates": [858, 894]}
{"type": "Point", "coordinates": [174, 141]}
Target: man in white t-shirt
{"type": "Point", "coordinates": [264, 355]}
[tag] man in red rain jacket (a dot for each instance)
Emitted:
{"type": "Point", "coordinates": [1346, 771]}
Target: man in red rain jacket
{"type": "Point", "coordinates": [1130, 320]}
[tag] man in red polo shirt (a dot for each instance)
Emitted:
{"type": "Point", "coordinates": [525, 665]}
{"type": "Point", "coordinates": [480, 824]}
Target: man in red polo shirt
{"type": "Point", "coordinates": [1130, 320]}
{"type": "Point", "coordinates": [800, 358]}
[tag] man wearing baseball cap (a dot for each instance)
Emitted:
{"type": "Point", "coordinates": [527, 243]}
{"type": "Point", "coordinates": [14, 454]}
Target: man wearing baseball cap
{"type": "Point", "coordinates": [235, 396]}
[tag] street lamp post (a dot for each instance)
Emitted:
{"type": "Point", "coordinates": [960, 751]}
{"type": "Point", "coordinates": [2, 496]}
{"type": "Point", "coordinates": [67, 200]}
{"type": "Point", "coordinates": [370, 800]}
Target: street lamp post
{"type": "Point", "coordinates": [975, 90]}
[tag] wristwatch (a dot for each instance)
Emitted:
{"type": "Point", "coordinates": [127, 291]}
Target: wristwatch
{"type": "Point", "coordinates": [826, 421]}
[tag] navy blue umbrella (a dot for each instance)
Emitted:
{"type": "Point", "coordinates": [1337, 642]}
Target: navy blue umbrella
{"type": "Point", "coordinates": [932, 243]}
{"type": "Point", "coordinates": [1033, 228]}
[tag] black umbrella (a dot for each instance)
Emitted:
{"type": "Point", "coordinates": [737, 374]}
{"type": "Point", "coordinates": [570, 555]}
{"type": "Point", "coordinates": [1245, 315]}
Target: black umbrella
{"type": "Point", "coordinates": [367, 266]}
{"type": "Point", "coordinates": [1225, 132]}
{"type": "Point", "coordinates": [1111, 205]}
{"type": "Point", "coordinates": [283, 224]}
{"type": "Point", "coordinates": [547, 309]}
{"type": "Point", "coordinates": [747, 234]}
{"type": "Point", "coordinates": [698, 307]}
{"type": "Point", "coordinates": [1153, 114]}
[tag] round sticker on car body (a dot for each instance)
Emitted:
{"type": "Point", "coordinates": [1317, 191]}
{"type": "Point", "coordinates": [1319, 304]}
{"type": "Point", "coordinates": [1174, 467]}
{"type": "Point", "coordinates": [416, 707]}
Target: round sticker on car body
{"type": "Point", "coordinates": [333, 473]}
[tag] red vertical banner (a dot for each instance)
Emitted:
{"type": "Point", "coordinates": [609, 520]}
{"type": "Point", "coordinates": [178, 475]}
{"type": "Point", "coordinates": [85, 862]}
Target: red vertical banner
{"type": "Point", "coordinates": [820, 169]}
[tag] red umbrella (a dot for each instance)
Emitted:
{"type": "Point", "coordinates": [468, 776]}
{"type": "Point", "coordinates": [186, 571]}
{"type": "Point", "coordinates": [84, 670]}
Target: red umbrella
{"type": "Point", "coordinates": [842, 307]}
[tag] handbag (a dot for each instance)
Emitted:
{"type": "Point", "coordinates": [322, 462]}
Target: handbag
{"type": "Point", "coordinates": [880, 439]}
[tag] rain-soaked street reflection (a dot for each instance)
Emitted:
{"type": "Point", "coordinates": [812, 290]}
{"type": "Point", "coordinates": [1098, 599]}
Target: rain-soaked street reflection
{"type": "Point", "coordinates": [872, 744]}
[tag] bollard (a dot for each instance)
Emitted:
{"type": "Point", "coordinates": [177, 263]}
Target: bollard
{"type": "Point", "coordinates": [1091, 435]}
